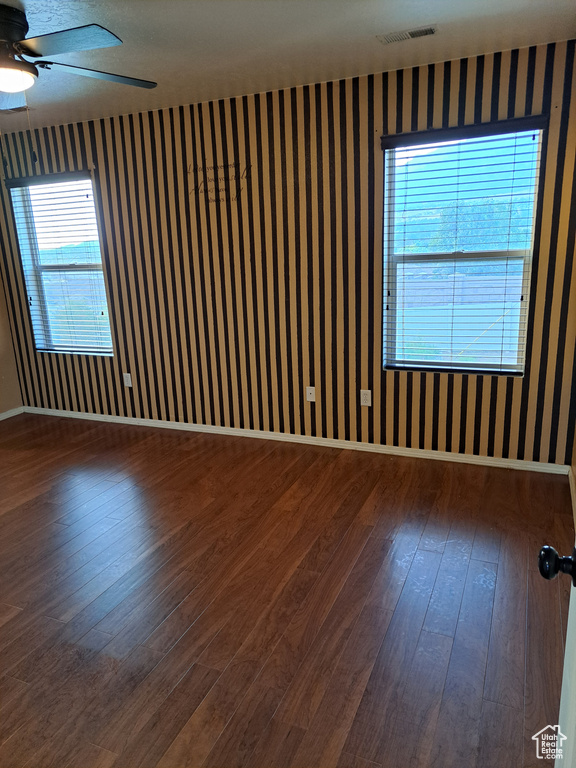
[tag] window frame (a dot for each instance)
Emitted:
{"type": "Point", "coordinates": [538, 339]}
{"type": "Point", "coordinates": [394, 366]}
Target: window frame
{"type": "Point", "coordinates": [36, 269]}
{"type": "Point", "coordinates": [391, 260]}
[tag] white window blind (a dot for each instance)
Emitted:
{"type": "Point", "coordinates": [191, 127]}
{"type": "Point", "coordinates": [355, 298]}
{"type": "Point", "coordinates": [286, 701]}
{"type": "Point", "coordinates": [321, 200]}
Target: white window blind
{"type": "Point", "coordinates": [60, 249]}
{"type": "Point", "coordinates": [458, 238]}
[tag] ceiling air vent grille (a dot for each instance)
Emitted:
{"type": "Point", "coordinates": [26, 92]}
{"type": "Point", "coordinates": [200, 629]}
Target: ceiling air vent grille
{"type": "Point", "coordinates": [408, 34]}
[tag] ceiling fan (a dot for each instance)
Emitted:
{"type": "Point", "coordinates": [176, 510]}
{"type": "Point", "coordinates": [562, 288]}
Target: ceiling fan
{"type": "Point", "coordinates": [17, 74]}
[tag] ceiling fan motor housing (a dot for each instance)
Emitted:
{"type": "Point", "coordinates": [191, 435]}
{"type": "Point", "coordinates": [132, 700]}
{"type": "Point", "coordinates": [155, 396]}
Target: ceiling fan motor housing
{"type": "Point", "coordinates": [13, 24]}
{"type": "Point", "coordinates": [18, 74]}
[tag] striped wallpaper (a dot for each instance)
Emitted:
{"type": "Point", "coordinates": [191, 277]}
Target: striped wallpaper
{"type": "Point", "coordinates": [242, 249]}
{"type": "Point", "coordinates": [9, 385]}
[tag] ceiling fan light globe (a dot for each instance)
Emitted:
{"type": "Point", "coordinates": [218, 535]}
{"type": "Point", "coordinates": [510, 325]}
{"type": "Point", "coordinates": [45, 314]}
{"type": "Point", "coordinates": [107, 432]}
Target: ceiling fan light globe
{"type": "Point", "coordinates": [15, 80]}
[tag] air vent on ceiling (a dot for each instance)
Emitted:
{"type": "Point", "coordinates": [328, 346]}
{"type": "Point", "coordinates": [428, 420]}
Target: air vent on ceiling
{"type": "Point", "coordinates": [408, 34]}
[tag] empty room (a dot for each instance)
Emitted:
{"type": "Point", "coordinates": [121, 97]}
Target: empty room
{"type": "Point", "coordinates": [287, 384]}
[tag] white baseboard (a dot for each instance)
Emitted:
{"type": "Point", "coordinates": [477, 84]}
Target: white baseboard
{"type": "Point", "coordinates": [462, 458]}
{"type": "Point", "coordinates": [11, 412]}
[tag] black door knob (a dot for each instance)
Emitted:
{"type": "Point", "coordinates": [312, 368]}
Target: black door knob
{"type": "Point", "coordinates": [550, 563]}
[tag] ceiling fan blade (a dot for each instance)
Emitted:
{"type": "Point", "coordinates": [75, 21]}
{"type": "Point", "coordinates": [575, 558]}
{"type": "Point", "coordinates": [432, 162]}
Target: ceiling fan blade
{"type": "Point", "coordinates": [100, 75]}
{"type": "Point", "coordinates": [68, 40]}
{"type": "Point", "coordinates": [12, 100]}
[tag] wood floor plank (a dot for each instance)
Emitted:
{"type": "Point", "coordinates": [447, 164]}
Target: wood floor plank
{"type": "Point", "coordinates": [140, 705]}
{"type": "Point", "coordinates": [34, 582]}
{"type": "Point", "coordinates": [444, 607]}
{"type": "Point", "coordinates": [441, 514]}
{"type": "Point", "coordinates": [26, 520]}
{"type": "Point", "coordinates": [540, 501]}
{"type": "Point", "coordinates": [125, 587]}
{"type": "Point", "coordinates": [83, 502]}
{"type": "Point", "coordinates": [46, 709]}
{"type": "Point", "coordinates": [151, 615]}
{"type": "Point", "coordinates": [276, 748]}
{"type": "Point", "coordinates": [250, 614]}
{"type": "Point", "coordinates": [198, 737]}
{"type": "Point", "coordinates": [212, 605]}
{"type": "Point", "coordinates": [179, 599]}
{"type": "Point", "coordinates": [54, 653]}
{"type": "Point", "coordinates": [384, 507]}
{"type": "Point", "coordinates": [299, 636]}
{"type": "Point", "coordinates": [504, 682]}
{"type": "Point", "coordinates": [10, 688]}
{"type": "Point", "coordinates": [461, 707]}
{"type": "Point", "coordinates": [247, 541]}
{"type": "Point", "coordinates": [396, 566]}
{"type": "Point", "coordinates": [41, 629]}
{"type": "Point", "coordinates": [307, 689]}
{"type": "Point", "coordinates": [8, 612]}
{"type": "Point", "coordinates": [100, 574]}
{"type": "Point", "coordinates": [16, 627]}
{"type": "Point", "coordinates": [486, 546]}
{"type": "Point", "coordinates": [563, 536]}
{"type": "Point", "coordinates": [543, 673]}
{"type": "Point", "coordinates": [242, 732]}
{"type": "Point", "coordinates": [391, 669]}
{"type": "Point", "coordinates": [318, 556]}
{"type": "Point", "coordinates": [146, 748]}
{"type": "Point", "coordinates": [353, 761]}
{"type": "Point", "coordinates": [411, 730]}
{"type": "Point", "coordinates": [37, 547]}
{"type": "Point", "coordinates": [141, 593]}
{"type": "Point", "coordinates": [114, 687]}
{"type": "Point", "coordinates": [89, 756]}
{"type": "Point", "coordinates": [325, 738]}
{"type": "Point", "coordinates": [500, 741]}
{"type": "Point", "coordinates": [148, 697]}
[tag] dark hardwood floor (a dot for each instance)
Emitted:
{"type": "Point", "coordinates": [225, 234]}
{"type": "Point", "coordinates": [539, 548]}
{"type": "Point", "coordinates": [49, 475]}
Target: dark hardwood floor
{"type": "Point", "coordinates": [180, 599]}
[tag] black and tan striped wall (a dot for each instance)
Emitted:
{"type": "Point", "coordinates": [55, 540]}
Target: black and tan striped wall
{"type": "Point", "coordinates": [10, 397]}
{"type": "Point", "coordinates": [243, 259]}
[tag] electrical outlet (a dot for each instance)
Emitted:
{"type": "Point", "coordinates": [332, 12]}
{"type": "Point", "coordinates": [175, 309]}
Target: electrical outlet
{"type": "Point", "coordinates": [127, 379]}
{"type": "Point", "coordinates": [365, 397]}
{"type": "Point", "coordinates": [311, 394]}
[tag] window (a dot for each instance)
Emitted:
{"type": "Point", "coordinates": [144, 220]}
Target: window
{"type": "Point", "coordinates": [58, 237]}
{"type": "Point", "coordinates": [458, 234]}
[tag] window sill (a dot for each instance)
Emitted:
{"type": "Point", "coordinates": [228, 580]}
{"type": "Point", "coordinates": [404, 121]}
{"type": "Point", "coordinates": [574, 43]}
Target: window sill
{"type": "Point", "coordinates": [79, 353]}
{"type": "Point", "coordinates": [462, 371]}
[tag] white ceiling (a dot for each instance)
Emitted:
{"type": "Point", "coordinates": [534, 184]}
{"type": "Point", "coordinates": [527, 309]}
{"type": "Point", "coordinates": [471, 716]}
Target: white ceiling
{"type": "Point", "coordinates": [207, 49]}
